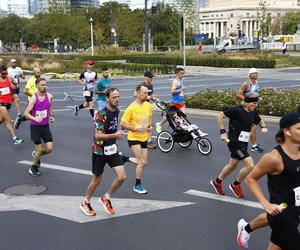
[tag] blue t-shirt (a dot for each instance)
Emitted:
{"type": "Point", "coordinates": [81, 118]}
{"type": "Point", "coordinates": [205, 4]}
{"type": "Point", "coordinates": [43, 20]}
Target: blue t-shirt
{"type": "Point", "coordinates": [102, 84]}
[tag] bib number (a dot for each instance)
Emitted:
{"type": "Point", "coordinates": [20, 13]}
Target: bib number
{"type": "Point", "coordinates": [111, 149]}
{"type": "Point", "coordinates": [5, 91]}
{"type": "Point", "coordinates": [244, 136]}
{"type": "Point", "coordinates": [86, 93]}
{"type": "Point", "coordinates": [297, 196]}
{"type": "Point", "coordinates": [43, 114]}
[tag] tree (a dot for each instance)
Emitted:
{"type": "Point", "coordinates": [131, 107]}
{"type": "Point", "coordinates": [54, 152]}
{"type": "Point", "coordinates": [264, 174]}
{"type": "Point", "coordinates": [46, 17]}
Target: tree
{"type": "Point", "coordinates": [289, 23]}
{"type": "Point", "coordinates": [265, 19]}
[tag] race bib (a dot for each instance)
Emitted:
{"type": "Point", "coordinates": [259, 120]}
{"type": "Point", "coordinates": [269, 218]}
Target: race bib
{"type": "Point", "coordinates": [42, 113]}
{"type": "Point", "coordinates": [244, 136]}
{"type": "Point", "coordinates": [5, 91]}
{"type": "Point", "coordinates": [111, 149]}
{"type": "Point", "coordinates": [86, 93]}
{"type": "Point", "coordinates": [297, 196]}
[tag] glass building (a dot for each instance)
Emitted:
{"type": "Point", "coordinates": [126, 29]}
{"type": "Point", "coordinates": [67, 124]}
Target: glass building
{"type": "Point", "coordinates": [85, 3]}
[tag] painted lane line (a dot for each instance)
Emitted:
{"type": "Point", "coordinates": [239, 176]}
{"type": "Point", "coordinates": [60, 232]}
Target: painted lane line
{"type": "Point", "coordinates": [58, 167]}
{"type": "Point", "coordinates": [61, 110]}
{"type": "Point", "coordinates": [228, 199]}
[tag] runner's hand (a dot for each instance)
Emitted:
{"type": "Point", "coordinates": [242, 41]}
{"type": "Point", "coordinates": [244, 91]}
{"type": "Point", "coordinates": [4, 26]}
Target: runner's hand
{"type": "Point", "coordinates": [38, 119]}
{"type": "Point", "coordinates": [273, 209]}
{"type": "Point", "coordinates": [149, 129]}
{"type": "Point", "coordinates": [52, 120]}
{"type": "Point", "coordinates": [264, 130]}
{"type": "Point", "coordinates": [119, 135]}
{"type": "Point", "coordinates": [184, 88]}
{"type": "Point", "coordinates": [224, 137]}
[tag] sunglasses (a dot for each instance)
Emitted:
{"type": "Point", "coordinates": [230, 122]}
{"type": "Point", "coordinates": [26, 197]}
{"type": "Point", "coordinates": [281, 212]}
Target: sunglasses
{"type": "Point", "coordinates": [3, 73]}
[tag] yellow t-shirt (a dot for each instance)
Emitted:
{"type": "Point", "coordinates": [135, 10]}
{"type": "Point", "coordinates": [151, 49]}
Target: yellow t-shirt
{"type": "Point", "coordinates": [31, 86]}
{"type": "Point", "coordinates": [138, 116]}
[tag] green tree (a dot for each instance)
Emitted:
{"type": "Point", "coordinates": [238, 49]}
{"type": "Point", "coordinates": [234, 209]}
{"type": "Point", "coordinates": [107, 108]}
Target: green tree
{"type": "Point", "coordinates": [289, 23]}
{"type": "Point", "coordinates": [264, 19]}
{"type": "Point", "coordinates": [12, 28]}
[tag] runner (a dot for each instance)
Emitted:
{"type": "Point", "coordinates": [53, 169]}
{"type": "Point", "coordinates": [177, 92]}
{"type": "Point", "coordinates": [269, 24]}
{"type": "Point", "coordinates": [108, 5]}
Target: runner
{"type": "Point", "coordinates": [16, 73]}
{"type": "Point", "coordinates": [148, 77]}
{"type": "Point", "coordinates": [39, 111]}
{"type": "Point", "coordinates": [105, 150]}
{"type": "Point", "coordinates": [6, 98]}
{"type": "Point", "coordinates": [29, 90]}
{"type": "Point", "coordinates": [137, 119]}
{"type": "Point", "coordinates": [1, 62]}
{"type": "Point", "coordinates": [281, 166]}
{"type": "Point", "coordinates": [241, 119]}
{"type": "Point", "coordinates": [177, 91]}
{"type": "Point", "coordinates": [248, 87]}
{"type": "Point", "coordinates": [87, 79]}
{"type": "Point", "coordinates": [103, 84]}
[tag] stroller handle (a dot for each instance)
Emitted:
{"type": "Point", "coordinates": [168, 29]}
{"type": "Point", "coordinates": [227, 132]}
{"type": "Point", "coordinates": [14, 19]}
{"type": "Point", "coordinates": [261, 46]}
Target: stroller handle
{"type": "Point", "coordinates": [161, 105]}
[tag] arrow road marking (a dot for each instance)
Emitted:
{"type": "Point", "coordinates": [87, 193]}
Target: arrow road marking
{"type": "Point", "coordinates": [223, 198]}
{"type": "Point", "coordinates": [67, 207]}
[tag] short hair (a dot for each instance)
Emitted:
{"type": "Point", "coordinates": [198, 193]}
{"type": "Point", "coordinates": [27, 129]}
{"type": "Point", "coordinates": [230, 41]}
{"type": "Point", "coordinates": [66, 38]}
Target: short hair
{"type": "Point", "coordinates": [105, 68]}
{"type": "Point", "coordinates": [3, 67]}
{"type": "Point", "coordinates": [177, 70]}
{"type": "Point", "coordinates": [37, 81]}
{"type": "Point", "coordinates": [109, 91]}
{"type": "Point", "coordinates": [138, 88]}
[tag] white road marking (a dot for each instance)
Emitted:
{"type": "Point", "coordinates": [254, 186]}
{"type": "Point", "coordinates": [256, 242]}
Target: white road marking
{"type": "Point", "coordinates": [228, 199]}
{"type": "Point", "coordinates": [67, 207]}
{"type": "Point", "coordinates": [61, 110]}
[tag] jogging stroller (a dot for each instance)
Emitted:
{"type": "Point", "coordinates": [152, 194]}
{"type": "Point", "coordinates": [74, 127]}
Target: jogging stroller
{"type": "Point", "coordinates": [183, 133]}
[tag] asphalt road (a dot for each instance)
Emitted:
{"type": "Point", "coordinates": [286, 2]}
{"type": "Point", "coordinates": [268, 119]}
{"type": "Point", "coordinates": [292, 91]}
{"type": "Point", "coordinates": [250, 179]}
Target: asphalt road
{"type": "Point", "coordinates": [170, 216]}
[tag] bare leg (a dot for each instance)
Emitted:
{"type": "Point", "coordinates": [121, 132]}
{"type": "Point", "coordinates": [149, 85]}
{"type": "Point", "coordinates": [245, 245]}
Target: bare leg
{"type": "Point", "coordinates": [228, 168]}
{"type": "Point", "coordinates": [141, 155]}
{"type": "Point", "coordinates": [259, 222]}
{"type": "Point", "coordinates": [272, 246]}
{"type": "Point", "coordinates": [6, 118]}
{"type": "Point", "coordinates": [17, 103]}
{"type": "Point", "coordinates": [92, 186]}
{"type": "Point", "coordinates": [118, 181]}
{"type": "Point", "coordinates": [249, 165]}
{"type": "Point", "coordinates": [253, 134]}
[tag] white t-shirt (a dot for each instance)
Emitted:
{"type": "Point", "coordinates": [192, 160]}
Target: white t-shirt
{"type": "Point", "coordinates": [13, 72]}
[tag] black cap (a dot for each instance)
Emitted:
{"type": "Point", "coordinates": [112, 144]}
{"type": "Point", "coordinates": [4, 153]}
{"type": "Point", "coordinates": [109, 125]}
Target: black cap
{"type": "Point", "coordinates": [148, 74]}
{"type": "Point", "coordinates": [249, 99]}
{"type": "Point", "coordinates": [289, 119]}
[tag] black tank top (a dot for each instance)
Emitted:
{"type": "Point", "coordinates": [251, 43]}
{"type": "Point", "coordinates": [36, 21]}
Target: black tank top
{"type": "Point", "coordinates": [281, 186]}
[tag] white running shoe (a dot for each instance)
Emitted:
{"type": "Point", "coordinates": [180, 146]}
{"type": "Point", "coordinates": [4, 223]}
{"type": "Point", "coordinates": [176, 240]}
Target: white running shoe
{"type": "Point", "coordinates": [242, 236]}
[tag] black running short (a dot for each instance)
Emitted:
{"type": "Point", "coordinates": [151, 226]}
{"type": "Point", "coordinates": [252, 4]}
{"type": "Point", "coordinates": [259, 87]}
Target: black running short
{"type": "Point", "coordinates": [285, 233]}
{"type": "Point", "coordinates": [89, 98]}
{"type": "Point", "coordinates": [16, 91]}
{"type": "Point", "coordinates": [7, 105]}
{"type": "Point", "coordinates": [238, 150]}
{"type": "Point", "coordinates": [143, 144]}
{"type": "Point", "coordinates": [99, 162]}
{"type": "Point", "coordinates": [39, 133]}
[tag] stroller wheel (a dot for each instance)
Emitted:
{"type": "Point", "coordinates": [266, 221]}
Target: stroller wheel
{"type": "Point", "coordinates": [204, 146]}
{"type": "Point", "coordinates": [165, 141]}
{"type": "Point", "coordinates": [185, 144]}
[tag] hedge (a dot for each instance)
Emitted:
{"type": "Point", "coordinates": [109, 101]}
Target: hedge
{"type": "Point", "coordinates": [274, 102]}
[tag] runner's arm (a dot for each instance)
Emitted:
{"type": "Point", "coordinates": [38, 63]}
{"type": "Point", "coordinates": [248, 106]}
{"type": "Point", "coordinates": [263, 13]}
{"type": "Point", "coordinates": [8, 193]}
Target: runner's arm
{"type": "Point", "coordinates": [99, 135]}
{"type": "Point", "coordinates": [51, 110]}
{"type": "Point", "coordinates": [174, 86]}
{"type": "Point", "coordinates": [221, 120]}
{"type": "Point", "coordinates": [240, 92]}
{"type": "Point", "coordinates": [29, 108]}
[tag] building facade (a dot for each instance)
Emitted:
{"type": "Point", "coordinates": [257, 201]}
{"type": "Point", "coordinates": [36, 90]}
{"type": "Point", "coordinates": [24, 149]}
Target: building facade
{"type": "Point", "coordinates": [18, 7]}
{"type": "Point", "coordinates": [222, 18]}
{"type": "Point", "coordinates": [85, 3]}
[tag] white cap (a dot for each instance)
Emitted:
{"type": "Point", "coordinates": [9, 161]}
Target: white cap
{"type": "Point", "coordinates": [252, 70]}
{"type": "Point", "coordinates": [13, 60]}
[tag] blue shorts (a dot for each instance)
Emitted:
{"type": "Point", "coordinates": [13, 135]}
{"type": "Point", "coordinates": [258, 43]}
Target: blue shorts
{"type": "Point", "coordinates": [16, 91]}
{"type": "Point", "coordinates": [101, 104]}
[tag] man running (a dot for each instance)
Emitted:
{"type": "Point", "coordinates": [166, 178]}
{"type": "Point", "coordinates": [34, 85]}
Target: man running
{"type": "Point", "coordinates": [87, 79]}
{"type": "Point", "coordinates": [248, 87]}
{"type": "Point", "coordinates": [105, 150]}
{"type": "Point", "coordinates": [29, 90]}
{"type": "Point", "coordinates": [6, 98]}
{"type": "Point", "coordinates": [39, 111]}
{"type": "Point", "coordinates": [241, 119]}
{"type": "Point", "coordinates": [148, 77]}
{"type": "Point", "coordinates": [16, 73]}
{"type": "Point", "coordinates": [103, 84]}
{"type": "Point", "coordinates": [281, 166]}
{"type": "Point", "coordinates": [137, 119]}
{"type": "Point", "coordinates": [177, 91]}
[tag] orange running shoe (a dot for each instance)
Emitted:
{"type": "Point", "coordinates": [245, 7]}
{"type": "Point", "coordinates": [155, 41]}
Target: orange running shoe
{"type": "Point", "coordinates": [87, 209]}
{"type": "Point", "coordinates": [107, 205]}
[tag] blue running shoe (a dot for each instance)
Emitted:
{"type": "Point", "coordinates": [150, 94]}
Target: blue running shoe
{"type": "Point", "coordinates": [139, 188]}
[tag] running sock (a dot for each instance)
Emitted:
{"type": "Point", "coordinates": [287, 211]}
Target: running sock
{"type": "Point", "coordinates": [254, 145]}
{"type": "Point", "coordinates": [15, 137]}
{"type": "Point", "coordinates": [86, 200]}
{"type": "Point", "coordinates": [218, 180]}
{"type": "Point", "coordinates": [81, 106]}
{"type": "Point", "coordinates": [236, 183]}
{"type": "Point", "coordinates": [92, 111]}
{"type": "Point", "coordinates": [137, 181]}
{"type": "Point", "coordinates": [248, 229]}
{"type": "Point", "coordinates": [107, 196]}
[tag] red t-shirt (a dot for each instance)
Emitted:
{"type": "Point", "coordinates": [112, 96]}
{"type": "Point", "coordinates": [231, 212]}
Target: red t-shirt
{"type": "Point", "coordinates": [6, 95]}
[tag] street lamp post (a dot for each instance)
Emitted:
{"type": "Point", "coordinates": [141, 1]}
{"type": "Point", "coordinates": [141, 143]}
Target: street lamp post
{"type": "Point", "coordinates": [92, 36]}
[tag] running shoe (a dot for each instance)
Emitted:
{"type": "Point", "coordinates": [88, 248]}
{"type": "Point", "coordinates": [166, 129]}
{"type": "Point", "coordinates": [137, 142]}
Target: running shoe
{"type": "Point", "coordinates": [39, 162]}
{"type": "Point", "coordinates": [151, 145]}
{"type": "Point", "coordinates": [18, 141]}
{"type": "Point", "coordinates": [139, 188]}
{"type": "Point", "coordinates": [18, 121]}
{"type": "Point", "coordinates": [158, 127]}
{"type": "Point", "coordinates": [87, 209]}
{"type": "Point", "coordinates": [217, 187]}
{"type": "Point", "coordinates": [106, 203]}
{"type": "Point", "coordinates": [76, 108]}
{"type": "Point", "coordinates": [237, 190]}
{"type": "Point", "coordinates": [257, 149]}
{"type": "Point", "coordinates": [242, 236]}
{"type": "Point", "coordinates": [34, 171]}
